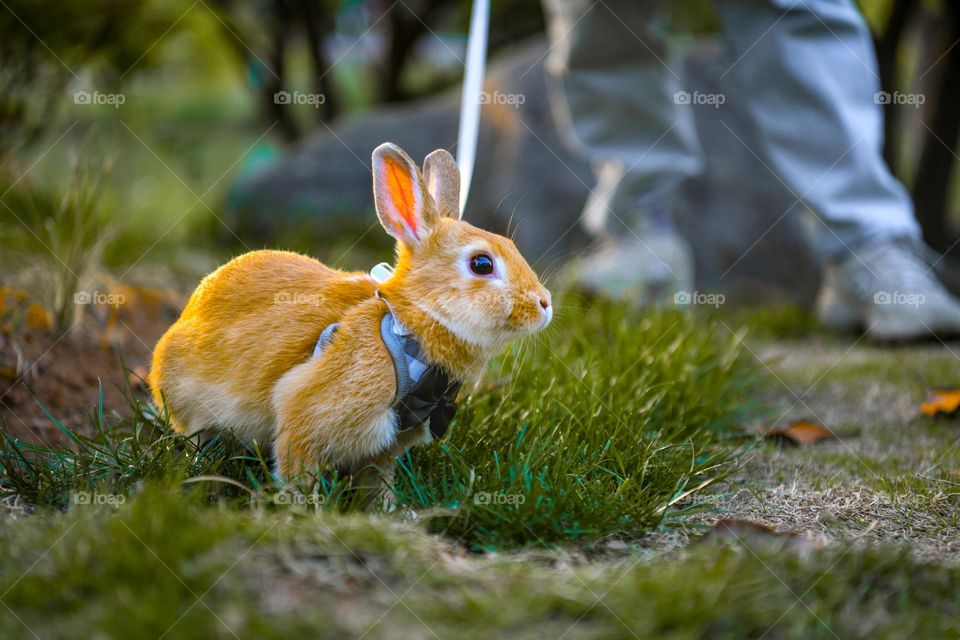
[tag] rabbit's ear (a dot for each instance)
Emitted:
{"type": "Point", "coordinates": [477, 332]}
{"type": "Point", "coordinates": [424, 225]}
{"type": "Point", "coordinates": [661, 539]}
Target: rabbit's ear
{"type": "Point", "coordinates": [405, 208]}
{"type": "Point", "coordinates": [442, 176]}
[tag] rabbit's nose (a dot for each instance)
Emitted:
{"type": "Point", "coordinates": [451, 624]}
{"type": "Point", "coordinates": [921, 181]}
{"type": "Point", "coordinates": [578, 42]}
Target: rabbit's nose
{"type": "Point", "coordinates": [544, 298]}
{"type": "Point", "coordinates": [546, 307]}
{"type": "Point", "coordinates": [546, 310]}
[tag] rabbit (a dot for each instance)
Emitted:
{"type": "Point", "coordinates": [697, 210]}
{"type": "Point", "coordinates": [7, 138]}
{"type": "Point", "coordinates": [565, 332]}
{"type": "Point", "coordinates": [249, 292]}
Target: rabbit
{"type": "Point", "coordinates": [241, 355]}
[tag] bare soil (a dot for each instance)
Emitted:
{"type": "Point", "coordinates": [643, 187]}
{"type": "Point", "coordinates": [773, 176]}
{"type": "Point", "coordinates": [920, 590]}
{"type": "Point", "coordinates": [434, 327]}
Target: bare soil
{"type": "Point", "coordinates": [61, 371]}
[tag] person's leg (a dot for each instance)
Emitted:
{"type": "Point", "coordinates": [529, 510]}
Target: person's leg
{"type": "Point", "coordinates": [615, 88]}
{"type": "Point", "coordinates": [615, 94]}
{"type": "Point", "coordinates": [810, 70]}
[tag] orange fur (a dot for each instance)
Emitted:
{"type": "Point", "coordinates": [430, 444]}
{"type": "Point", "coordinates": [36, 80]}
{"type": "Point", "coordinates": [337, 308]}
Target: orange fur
{"type": "Point", "coordinates": [239, 357]}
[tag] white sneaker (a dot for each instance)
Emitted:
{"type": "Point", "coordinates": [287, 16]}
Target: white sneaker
{"type": "Point", "coordinates": [888, 289]}
{"type": "Point", "coordinates": [647, 268]}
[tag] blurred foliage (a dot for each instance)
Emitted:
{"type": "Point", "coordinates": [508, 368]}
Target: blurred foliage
{"type": "Point", "coordinates": [877, 13]}
{"type": "Point", "coordinates": [48, 45]}
{"type": "Point", "coordinates": [356, 54]}
{"type": "Point", "coordinates": [60, 238]}
{"type": "Point", "coordinates": [195, 111]}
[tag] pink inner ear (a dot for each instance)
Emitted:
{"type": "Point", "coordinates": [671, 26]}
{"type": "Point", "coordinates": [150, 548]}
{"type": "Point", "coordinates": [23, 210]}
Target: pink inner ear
{"type": "Point", "coordinates": [400, 187]}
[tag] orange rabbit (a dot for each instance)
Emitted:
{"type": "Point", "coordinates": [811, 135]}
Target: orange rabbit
{"type": "Point", "coordinates": [244, 355]}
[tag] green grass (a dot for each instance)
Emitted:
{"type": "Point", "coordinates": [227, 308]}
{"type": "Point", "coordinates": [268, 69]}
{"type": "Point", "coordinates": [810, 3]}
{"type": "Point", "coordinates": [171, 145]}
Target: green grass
{"type": "Point", "coordinates": [596, 431]}
{"type": "Point", "coordinates": [784, 321]}
{"type": "Point", "coordinates": [599, 430]}
{"type": "Point", "coordinates": [168, 564]}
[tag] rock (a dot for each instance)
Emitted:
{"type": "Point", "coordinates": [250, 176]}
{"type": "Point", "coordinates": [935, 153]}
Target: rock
{"type": "Point", "coordinates": [527, 183]}
{"type": "Point", "coordinates": [323, 186]}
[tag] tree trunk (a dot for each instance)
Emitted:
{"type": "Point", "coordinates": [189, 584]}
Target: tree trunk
{"type": "Point", "coordinates": [931, 192]}
{"type": "Point", "coordinates": [273, 84]}
{"type": "Point", "coordinates": [317, 24]}
{"type": "Point", "coordinates": [887, 46]}
{"type": "Point", "coordinates": [407, 25]}
{"type": "Point", "coordinates": [270, 73]}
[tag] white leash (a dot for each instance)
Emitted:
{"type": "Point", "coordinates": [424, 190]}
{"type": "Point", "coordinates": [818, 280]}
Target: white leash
{"type": "Point", "coordinates": [470, 101]}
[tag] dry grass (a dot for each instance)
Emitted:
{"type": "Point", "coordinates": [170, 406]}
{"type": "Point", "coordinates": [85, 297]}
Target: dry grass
{"type": "Point", "coordinates": [890, 477]}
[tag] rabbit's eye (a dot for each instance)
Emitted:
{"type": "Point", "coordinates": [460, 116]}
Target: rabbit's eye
{"type": "Point", "coordinates": [481, 264]}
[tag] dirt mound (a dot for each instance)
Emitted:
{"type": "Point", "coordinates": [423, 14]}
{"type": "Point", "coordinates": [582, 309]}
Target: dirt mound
{"type": "Point", "coordinates": [62, 370]}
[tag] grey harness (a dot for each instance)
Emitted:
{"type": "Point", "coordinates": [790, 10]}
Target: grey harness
{"type": "Point", "coordinates": [424, 391]}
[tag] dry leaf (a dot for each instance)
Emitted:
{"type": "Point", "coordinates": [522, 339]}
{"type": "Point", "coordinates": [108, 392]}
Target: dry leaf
{"type": "Point", "coordinates": [801, 432]}
{"type": "Point", "coordinates": [725, 527]}
{"type": "Point", "coordinates": [944, 401]}
{"type": "Point", "coordinates": [747, 531]}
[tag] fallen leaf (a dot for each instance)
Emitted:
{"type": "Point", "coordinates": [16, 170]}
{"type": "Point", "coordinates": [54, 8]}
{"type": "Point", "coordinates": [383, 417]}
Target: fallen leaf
{"type": "Point", "coordinates": [746, 531]}
{"type": "Point", "coordinates": [944, 401]}
{"type": "Point", "coordinates": [738, 527]}
{"type": "Point", "coordinates": [801, 432]}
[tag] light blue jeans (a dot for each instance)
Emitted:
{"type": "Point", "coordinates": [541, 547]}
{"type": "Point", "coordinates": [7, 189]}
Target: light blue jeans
{"type": "Point", "coordinates": [809, 69]}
